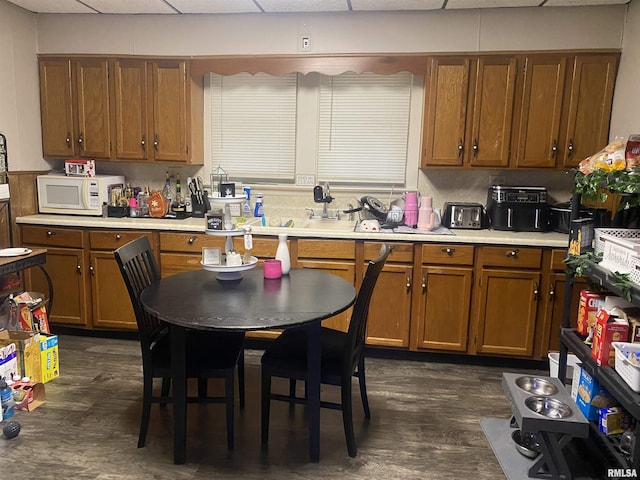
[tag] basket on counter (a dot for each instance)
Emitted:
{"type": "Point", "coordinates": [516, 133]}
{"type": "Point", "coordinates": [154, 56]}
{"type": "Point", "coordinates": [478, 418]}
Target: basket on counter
{"type": "Point", "coordinates": [629, 372]}
{"type": "Point", "coordinates": [620, 248]}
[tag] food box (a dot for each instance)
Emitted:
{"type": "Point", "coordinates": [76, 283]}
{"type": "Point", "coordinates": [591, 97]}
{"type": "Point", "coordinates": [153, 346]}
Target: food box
{"type": "Point", "coordinates": [592, 396]}
{"type": "Point", "coordinates": [49, 358]}
{"type": "Point", "coordinates": [611, 420]}
{"type": "Point", "coordinates": [627, 363]}
{"type": "Point", "coordinates": [27, 349]}
{"type": "Point", "coordinates": [8, 361]}
{"type": "Point", "coordinates": [80, 168]}
{"type": "Point", "coordinates": [611, 326]}
{"type": "Point", "coordinates": [575, 381]}
{"type": "Point", "coordinates": [589, 304]}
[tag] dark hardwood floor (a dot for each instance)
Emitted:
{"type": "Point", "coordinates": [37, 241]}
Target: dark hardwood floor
{"type": "Point", "coordinates": [425, 424]}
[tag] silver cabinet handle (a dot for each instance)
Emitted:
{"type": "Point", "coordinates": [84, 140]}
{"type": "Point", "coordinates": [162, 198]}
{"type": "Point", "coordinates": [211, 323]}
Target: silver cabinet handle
{"type": "Point", "coordinates": [118, 236]}
{"type": "Point", "coordinates": [68, 139]}
{"type": "Point", "coordinates": [408, 283]}
{"type": "Point", "coordinates": [50, 233]}
{"type": "Point", "coordinates": [475, 147]}
{"type": "Point", "coordinates": [536, 291]}
{"type": "Point", "coordinates": [156, 142]}
{"type": "Point", "coordinates": [513, 253]}
{"type": "Point", "coordinates": [424, 284]}
{"type": "Point", "coordinates": [192, 240]}
{"type": "Point", "coordinates": [448, 251]}
{"type": "Point", "coordinates": [460, 148]}
{"type": "Point", "coordinates": [552, 293]}
{"type": "Point", "coordinates": [143, 143]}
{"type": "Point", "coordinates": [554, 148]}
{"type": "Point", "coordinates": [80, 140]}
{"type": "Point", "coordinates": [570, 148]}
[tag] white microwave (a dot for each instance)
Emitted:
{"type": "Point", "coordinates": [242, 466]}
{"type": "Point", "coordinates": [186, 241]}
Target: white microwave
{"type": "Point", "coordinates": [76, 195]}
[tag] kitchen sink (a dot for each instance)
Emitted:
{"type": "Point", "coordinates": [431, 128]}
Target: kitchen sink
{"type": "Point", "coordinates": [327, 224]}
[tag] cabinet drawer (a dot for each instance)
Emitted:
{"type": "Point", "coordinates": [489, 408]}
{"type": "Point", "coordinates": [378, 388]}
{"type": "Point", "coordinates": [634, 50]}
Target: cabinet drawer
{"type": "Point", "coordinates": [110, 240]}
{"type": "Point", "coordinates": [189, 242]}
{"type": "Point", "coordinates": [447, 254]}
{"type": "Point", "coordinates": [512, 257]}
{"type": "Point", "coordinates": [263, 247]}
{"type": "Point", "coordinates": [339, 249]}
{"type": "Point", "coordinates": [557, 260]}
{"type": "Point", "coordinates": [400, 252]}
{"type": "Point", "coordinates": [52, 236]}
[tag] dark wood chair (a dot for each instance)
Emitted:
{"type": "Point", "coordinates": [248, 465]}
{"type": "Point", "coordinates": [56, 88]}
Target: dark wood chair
{"type": "Point", "coordinates": [342, 358]}
{"type": "Point", "coordinates": [208, 354]}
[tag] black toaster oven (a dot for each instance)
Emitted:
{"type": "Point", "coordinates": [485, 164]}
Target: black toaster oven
{"type": "Point", "coordinates": [519, 209]}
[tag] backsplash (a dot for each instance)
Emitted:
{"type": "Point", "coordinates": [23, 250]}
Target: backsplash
{"type": "Point", "coordinates": [443, 185]}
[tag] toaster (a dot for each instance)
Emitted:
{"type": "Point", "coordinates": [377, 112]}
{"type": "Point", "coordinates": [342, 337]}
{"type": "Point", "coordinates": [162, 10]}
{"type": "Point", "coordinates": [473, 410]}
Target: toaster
{"type": "Point", "coordinates": [464, 215]}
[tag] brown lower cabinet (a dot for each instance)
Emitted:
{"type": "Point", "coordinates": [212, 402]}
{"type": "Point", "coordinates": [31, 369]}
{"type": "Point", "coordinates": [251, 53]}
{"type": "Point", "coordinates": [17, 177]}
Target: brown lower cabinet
{"type": "Point", "coordinates": [470, 299]}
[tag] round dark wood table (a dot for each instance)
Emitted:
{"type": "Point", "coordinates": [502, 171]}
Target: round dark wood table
{"type": "Point", "coordinates": [198, 300]}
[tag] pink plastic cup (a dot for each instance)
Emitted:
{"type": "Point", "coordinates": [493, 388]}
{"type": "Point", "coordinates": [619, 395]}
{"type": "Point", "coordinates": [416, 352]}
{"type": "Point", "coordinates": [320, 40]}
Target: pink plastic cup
{"type": "Point", "coordinates": [272, 268]}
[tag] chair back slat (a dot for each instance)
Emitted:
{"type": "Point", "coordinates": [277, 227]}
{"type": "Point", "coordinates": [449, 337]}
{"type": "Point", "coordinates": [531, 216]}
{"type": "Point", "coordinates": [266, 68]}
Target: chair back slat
{"type": "Point", "coordinates": [139, 270]}
{"type": "Point", "coordinates": [358, 324]}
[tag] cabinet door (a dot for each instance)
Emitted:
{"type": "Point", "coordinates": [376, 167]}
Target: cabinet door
{"type": "Point", "coordinates": [555, 306]}
{"type": "Point", "coordinates": [493, 112]}
{"type": "Point", "coordinates": [130, 98]}
{"type": "Point", "coordinates": [506, 314]}
{"type": "Point", "coordinates": [111, 303]}
{"type": "Point", "coordinates": [390, 307]}
{"type": "Point", "coordinates": [56, 107]}
{"type": "Point", "coordinates": [94, 129]}
{"type": "Point", "coordinates": [541, 108]}
{"type": "Point", "coordinates": [589, 114]}
{"type": "Point", "coordinates": [66, 268]}
{"type": "Point", "coordinates": [443, 324]}
{"type": "Point", "coordinates": [170, 111]}
{"type": "Point", "coordinates": [445, 111]}
{"type": "Point", "coordinates": [345, 270]}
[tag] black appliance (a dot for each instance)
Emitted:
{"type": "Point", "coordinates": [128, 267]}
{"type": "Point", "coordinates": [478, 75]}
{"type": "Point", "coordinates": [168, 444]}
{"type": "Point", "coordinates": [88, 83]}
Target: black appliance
{"type": "Point", "coordinates": [518, 209]}
{"type": "Point", "coordinates": [464, 215]}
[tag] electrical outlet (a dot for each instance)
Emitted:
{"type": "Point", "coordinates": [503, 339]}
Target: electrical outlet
{"type": "Point", "coordinates": [305, 180]}
{"type": "Point", "coordinates": [305, 43]}
{"type": "Point", "coordinates": [497, 180]}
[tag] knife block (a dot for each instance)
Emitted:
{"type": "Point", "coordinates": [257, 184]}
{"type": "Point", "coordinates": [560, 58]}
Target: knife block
{"type": "Point", "coordinates": [198, 209]}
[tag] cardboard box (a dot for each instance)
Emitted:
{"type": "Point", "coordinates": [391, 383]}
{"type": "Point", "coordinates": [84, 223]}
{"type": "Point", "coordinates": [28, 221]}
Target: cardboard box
{"type": "Point", "coordinates": [28, 395]}
{"type": "Point", "coordinates": [610, 420]}
{"type": "Point", "coordinates": [8, 361]}
{"type": "Point", "coordinates": [28, 351]}
{"type": "Point", "coordinates": [49, 358]}
{"type": "Point", "coordinates": [575, 382]}
{"type": "Point", "coordinates": [592, 396]}
{"type": "Point", "coordinates": [611, 326]}
{"type": "Point", "coordinates": [590, 303]}
{"type": "Point", "coordinates": [80, 168]}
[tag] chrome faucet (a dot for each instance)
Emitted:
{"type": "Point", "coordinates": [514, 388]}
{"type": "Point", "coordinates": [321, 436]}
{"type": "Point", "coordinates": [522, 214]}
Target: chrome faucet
{"type": "Point", "coordinates": [323, 195]}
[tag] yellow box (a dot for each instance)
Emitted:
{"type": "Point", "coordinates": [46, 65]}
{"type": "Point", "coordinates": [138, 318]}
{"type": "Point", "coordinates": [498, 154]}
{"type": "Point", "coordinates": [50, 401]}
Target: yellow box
{"type": "Point", "coordinates": [28, 351]}
{"type": "Point", "coordinates": [49, 358]}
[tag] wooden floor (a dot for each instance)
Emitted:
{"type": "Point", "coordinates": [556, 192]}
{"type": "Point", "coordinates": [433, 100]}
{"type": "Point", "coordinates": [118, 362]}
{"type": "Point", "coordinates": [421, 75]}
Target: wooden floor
{"type": "Point", "coordinates": [425, 424]}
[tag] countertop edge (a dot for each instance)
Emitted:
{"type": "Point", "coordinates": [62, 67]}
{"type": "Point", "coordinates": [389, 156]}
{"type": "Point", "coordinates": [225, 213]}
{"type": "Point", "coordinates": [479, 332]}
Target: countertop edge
{"type": "Point", "coordinates": [197, 225]}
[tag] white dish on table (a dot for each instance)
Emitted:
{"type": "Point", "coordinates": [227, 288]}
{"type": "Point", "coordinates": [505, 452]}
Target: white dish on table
{"type": "Point", "coordinates": [14, 252]}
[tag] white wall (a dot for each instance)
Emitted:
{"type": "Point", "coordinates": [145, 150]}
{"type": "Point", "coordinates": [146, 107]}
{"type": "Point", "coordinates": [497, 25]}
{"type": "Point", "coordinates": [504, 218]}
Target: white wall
{"type": "Point", "coordinates": [19, 89]}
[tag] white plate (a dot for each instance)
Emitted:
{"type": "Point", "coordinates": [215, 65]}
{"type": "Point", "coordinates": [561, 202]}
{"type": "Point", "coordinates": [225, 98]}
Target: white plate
{"type": "Point", "coordinates": [14, 252]}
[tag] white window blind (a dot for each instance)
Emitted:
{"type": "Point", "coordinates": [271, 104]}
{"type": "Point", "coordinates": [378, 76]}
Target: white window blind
{"type": "Point", "coordinates": [253, 125]}
{"type": "Point", "coordinates": [363, 128]}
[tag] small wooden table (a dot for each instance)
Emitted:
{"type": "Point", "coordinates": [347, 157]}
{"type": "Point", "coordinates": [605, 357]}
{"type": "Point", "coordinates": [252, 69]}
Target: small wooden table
{"type": "Point", "coordinates": [36, 258]}
{"type": "Point", "coordinates": [197, 300]}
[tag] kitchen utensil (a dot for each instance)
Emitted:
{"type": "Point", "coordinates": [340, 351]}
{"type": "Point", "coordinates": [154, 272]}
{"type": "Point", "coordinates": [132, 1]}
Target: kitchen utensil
{"type": "Point", "coordinates": [372, 208]}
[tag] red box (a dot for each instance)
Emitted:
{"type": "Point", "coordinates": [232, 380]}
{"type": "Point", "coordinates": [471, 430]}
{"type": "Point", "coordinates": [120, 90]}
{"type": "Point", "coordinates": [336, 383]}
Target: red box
{"type": "Point", "coordinates": [589, 304]}
{"type": "Point", "coordinates": [609, 328]}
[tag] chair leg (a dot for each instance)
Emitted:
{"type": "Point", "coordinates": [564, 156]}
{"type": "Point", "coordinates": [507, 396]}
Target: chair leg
{"type": "Point", "coordinates": [229, 391]}
{"type": "Point", "coordinates": [266, 404]}
{"type": "Point", "coordinates": [241, 378]}
{"type": "Point", "coordinates": [147, 393]}
{"type": "Point", "coordinates": [347, 416]}
{"type": "Point", "coordinates": [202, 388]}
{"type": "Point", "coordinates": [363, 389]}
{"type": "Point", "coordinates": [164, 391]}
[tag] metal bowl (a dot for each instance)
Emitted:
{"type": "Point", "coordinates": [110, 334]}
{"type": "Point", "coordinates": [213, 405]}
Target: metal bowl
{"type": "Point", "coordinates": [548, 407]}
{"type": "Point", "coordinates": [526, 443]}
{"type": "Point", "coordinates": [536, 385]}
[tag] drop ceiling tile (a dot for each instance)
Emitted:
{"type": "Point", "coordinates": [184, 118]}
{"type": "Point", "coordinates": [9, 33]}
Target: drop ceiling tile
{"type": "Point", "coordinates": [379, 5]}
{"type": "Point", "coordinates": [303, 5]}
{"type": "Point", "coordinates": [129, 6]}
{"type": "Point", "coordinates": [53, 6]}
{"type": "Point", "coordinates": [456, 4]}
{"type": "Point", "coordinates": [214, 6]}
{"type": "Point", "coordinates": [577, 3]}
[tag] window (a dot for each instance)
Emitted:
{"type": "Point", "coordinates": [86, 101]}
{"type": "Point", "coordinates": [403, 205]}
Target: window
{"type": "Point", "coordinates": [347, 129]}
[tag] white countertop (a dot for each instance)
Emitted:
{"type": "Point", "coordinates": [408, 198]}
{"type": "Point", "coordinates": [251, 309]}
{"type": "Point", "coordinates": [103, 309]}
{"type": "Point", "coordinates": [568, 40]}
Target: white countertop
{"type": "Point", "coordinates": [198, 225]}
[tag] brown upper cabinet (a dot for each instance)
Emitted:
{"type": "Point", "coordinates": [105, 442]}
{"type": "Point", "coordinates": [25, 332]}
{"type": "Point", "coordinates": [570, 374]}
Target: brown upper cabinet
{"type": "Point", "coordinates": [469, 111]}
{"type": "Point", "coordinates": [75, 102]}
{"type": "Point", "coordinates": [546, 110]}
{"type": "Point", "coordinates": [146, 103]}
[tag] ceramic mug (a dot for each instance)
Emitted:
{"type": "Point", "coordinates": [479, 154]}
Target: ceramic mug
{"type": "Point", "coordinates": [272, 268]}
